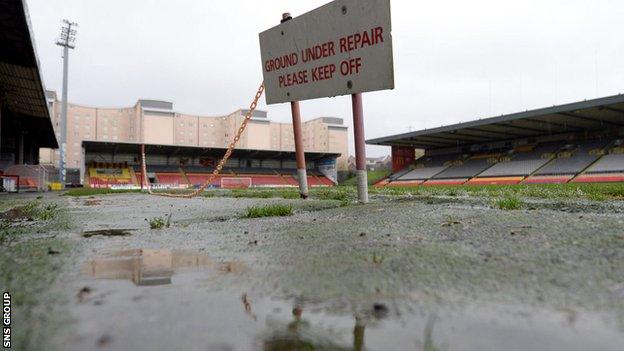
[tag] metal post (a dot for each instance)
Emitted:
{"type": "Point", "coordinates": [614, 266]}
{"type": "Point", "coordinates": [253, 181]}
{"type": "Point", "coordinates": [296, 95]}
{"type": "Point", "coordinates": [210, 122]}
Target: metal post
{"type": "Point", "coordinates": [67, 41]}
{"type": "Point", "coordinates": [63, 121]}
{"type": "Point", "coordinates": [360, 148]}
{"type": "Point", "coordinates": [143, 167]}
{"type": "Point", "coordinates": [302, 174]}
{"type": "Point", "coordinates": [301, 163]}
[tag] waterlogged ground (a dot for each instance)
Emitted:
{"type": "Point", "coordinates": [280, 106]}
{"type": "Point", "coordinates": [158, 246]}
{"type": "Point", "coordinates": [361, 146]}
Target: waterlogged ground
{"type": "Point", "coordinates": [408, 272]}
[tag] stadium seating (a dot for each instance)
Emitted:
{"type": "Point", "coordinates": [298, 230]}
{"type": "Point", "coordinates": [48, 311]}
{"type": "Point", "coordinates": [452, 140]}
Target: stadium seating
{"type": "Point", "coordinates": [568, 163]}
{"type": "Point", "coordinates": [198, 179]}
{"type": "Point", "coordinates": [422, 173]}
{"type": "Point", "coordinates": [461, 173]}
{"type": "Point", "coordinates": [609, 168]}
{"type": "Point", "coordinates": [174, 179]}
{"type": "Point", "coordinates": [173, 176]}
{"type": "Point", "coordinates": [522, 163]}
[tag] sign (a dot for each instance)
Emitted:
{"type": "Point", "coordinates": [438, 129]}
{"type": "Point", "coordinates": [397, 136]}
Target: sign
{"type": "Point", "coordinates": [342, 48]}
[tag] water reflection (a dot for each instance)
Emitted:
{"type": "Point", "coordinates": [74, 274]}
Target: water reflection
{"type": "Point", "coordinates": [301, 335]}
{"type": "Point", "coordinates": [145, 267]}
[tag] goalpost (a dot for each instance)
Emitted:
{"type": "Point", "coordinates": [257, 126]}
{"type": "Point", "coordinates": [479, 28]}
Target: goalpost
{"type": "Point", "coordinates": [236, 182]}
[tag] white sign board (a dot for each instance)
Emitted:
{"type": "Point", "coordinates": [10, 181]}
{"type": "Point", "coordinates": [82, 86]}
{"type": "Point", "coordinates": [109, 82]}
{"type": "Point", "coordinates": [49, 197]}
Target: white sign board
{"type": "Point", "coordinates": [342, 48]}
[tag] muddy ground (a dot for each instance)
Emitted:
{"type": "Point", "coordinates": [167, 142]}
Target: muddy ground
{"type": "Point", "coordinates": [417, 273]}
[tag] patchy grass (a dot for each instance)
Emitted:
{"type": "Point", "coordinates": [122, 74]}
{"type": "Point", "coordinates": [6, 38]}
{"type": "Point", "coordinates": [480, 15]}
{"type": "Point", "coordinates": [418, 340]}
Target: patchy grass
{"type": "Point", "coordinates": [347, 193]}
{"type": "Point", "coordinates": [377, 259]}
{"type": "Point", "coordinates": [373, 177]}
{"type": "Point", "coordinates": [265, 193]}
{"type": "Point", "coordinates": [94, 191]}
{"type": "Point", "coordinates": [343, 194]}
{"type": "Point", "coordinates": [27, 270]}
{"type": "Point", "coordinates": [160, 222]}
{"type": "Point", "coordinates": [510, 203]}
{"type": "Point", "coordinates": [9, 233]}
{"type": "Point", "coordinates": [274, 210]}
{"type": "Point", "coordinates": [33, 210]}
{"type": "Point", "coordinates": [589, 191]}
{"type": "Point", "coordinates": [29, 265]}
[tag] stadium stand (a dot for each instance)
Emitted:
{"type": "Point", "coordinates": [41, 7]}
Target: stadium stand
{"type": "Point", "coordinates": [253, 177]}
{"type": "Point", "coordinates": [556, 144]}
{"type": "Point", "coordinates": [461, 172]}
{"type": "Point", "coordinates": [609, 168]}
{"type": "Point", "coordinates": [569, 162]}
{"type": "Point", "coordinates": [426, 167]}
{"type": "Point", "coordinates": [523, 162]}
{"type": "Point", "coordinates": [170, 166]}
{"type": "Point", "coordinates": [173, 179]}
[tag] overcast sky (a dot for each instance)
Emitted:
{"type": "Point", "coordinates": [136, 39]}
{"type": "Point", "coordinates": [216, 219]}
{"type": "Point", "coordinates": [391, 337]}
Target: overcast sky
{"type": "Point", "coordinates": [454, 60]}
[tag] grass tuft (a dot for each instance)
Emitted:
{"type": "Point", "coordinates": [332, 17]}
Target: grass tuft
{"type": "Point", "coordinates": [94, 191]}
{"type": "Point", "coordinates": [510, 203]}
{"type": "Point", "coordinates": [342, 194]}
{"type": "Point", "coordinates": [160, 222]}
{"type": "Point", "coordinates": [275, 210]}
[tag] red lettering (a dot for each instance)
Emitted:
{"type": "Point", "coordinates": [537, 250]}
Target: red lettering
{"type": "Point", "coordinates": [285, 61]}
{"type": "Point", "coordinates": [378, 35]}
{"type": "Point", "coordinates": [343, 45]}
{"type": "Point", "coordinates": [318, 51]}
{"type": "Point", "coordinates": [365, 39]}
{"type": "Point", "coordinates": [361, 40]}
{"type": "Point", "coordinates": [323, 72]}
{"type": "Point", "coordinates": [350, 66]}
{"type": "Point", "coordinates": [330, 49]}
{"type": "Point", "coordinates": [290, 79]}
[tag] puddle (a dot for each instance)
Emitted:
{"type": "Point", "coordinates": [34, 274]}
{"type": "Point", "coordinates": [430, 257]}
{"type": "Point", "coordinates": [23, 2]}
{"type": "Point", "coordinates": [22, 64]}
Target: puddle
{"type": "Point", "coordinates": [145, 267]}
{"type": "Point", "coordinates": [107, 232]}
{"type": "Point", "coordinates": [227, 320]}
{"type": "Point", "coordinates": [192, 297]}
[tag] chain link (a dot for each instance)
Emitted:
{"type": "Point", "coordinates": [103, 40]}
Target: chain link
{"type": "Point", "coordinates": [221, 163]}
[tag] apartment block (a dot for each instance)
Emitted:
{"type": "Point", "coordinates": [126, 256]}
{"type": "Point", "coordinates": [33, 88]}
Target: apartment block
{"type": "Point", "coordinates": [156, 122]}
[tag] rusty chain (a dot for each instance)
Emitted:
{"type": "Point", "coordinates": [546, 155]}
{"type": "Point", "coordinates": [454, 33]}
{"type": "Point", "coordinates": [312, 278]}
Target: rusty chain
{"type": "Point", "coordinates": [221, 163]}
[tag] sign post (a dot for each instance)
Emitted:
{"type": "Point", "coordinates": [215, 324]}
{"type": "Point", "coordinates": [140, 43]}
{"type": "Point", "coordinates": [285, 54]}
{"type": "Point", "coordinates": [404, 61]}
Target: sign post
{"type": "Point", "coordinates": [341, 48]}
{"type": "Point", "coordinates": [360, 147]}
{"type": "Point", "coordinates": [302, 174]}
